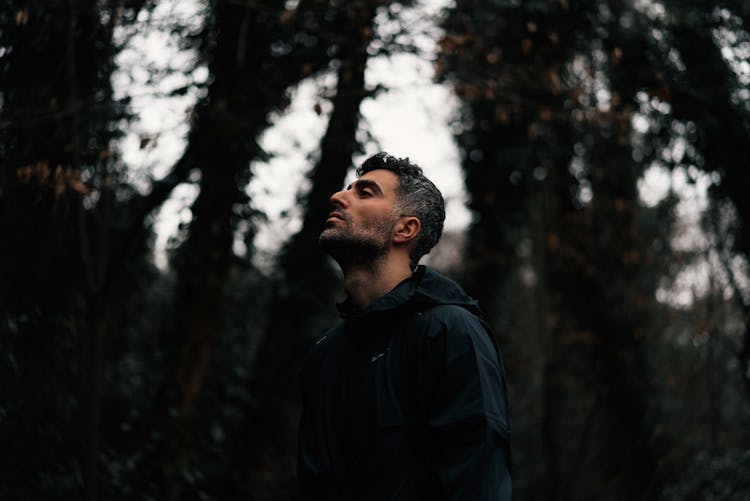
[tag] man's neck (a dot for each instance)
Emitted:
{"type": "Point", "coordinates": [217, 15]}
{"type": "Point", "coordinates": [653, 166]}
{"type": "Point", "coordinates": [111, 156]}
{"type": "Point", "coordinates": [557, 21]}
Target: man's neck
{"type": "Point", "coordinates": [365, 284]}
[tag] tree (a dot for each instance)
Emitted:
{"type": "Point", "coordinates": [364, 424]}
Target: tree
{"type": "Point", "coordinates": [60, 216]}
{"type": "Point", "coordinates": [548, 92]}
{"type": "Point", "coordinates": [719, 130]}
{"type": "Point", "coordinates": [256, 54]}
{"type": "Point", "coordinates": [300, 307]}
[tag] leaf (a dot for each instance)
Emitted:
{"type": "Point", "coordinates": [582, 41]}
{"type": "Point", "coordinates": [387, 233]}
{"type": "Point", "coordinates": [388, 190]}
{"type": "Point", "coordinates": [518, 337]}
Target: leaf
{"type": "Point", "coordinates": [22, 17]}
{"type": "Point", "coordinates": [616, 55]}
{"type": "Point", "coordinates": [527, 45]}
{"type": "Point", "coordinates": [286, 16]}
{"type": "Point", "coordinates": [41, 171]}
{"type": "Point", "coordinates": [23, 174]}
{"type": "Point", "coordinates": [78, 186]}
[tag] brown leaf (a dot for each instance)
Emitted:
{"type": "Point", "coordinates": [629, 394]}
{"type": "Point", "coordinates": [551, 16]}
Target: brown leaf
{"type": "Point", "coordinates": [494, 56]}
{"type": "Point", "coordinates": [439, 66]}
{"type": "Point", "coordinates": [286, 16]}
{"type": "Point", "coordinates": [553, 80]}
{"type": "Point", "coordinates": [59, 180]}
{"type": "Point", "coordinates": [631, 256]}
{"type": "Point", "coordinates": [502, 115]}
{"type": "Point", "coordinates": [23, 174]}
{"type": "Point", "coordinates": [366, 33]}
{"type": "Point", "coordinates": [22, 17]}
{"type": "Point", "coordinates": [533, 131]}
{"type": "Point", "coordinates": [469, 90]}
{"type": "Point", "coordinates": [73, 180]}
{"type": "Point", "coordinates": [616, 55]}
{"type": "Point", "coordinates": [41, 171]}
{"type": "Point", "coordinates": [527, 45]}
{"type": "Point", "coordinates": [553, 241]}
{"type": "Point", "coordinates": [78, 186]}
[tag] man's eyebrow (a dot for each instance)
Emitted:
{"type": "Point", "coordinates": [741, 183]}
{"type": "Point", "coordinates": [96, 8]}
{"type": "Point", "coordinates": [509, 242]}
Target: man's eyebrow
{"type": "Point", "coordinates": [367, 183]}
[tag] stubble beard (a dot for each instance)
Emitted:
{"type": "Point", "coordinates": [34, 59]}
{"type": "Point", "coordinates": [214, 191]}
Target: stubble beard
{"type": "Point", "coordinates": [361, 248]}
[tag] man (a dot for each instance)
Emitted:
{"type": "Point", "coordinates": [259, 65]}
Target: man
{"type": "Point", "coordinates": [406, 399]}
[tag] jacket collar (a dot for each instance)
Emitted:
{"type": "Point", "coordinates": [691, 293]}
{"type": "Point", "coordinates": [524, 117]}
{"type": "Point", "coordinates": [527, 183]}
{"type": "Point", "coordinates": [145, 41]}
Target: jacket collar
{"type": "Point", "coordinates": [426, 287]}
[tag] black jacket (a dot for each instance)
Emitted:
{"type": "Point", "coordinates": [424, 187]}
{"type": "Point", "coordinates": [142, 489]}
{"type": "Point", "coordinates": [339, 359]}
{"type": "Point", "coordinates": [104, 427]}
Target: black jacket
{"type": "Point", "coordinates": [406, 400]}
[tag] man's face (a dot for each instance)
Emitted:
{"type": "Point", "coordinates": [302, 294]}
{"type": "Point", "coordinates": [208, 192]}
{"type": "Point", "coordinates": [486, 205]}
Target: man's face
{"type": "Point", "coordinates": [361, 222]}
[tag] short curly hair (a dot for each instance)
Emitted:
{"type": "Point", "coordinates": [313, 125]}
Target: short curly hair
{"type": "Point", "coordinates": [417, 196]}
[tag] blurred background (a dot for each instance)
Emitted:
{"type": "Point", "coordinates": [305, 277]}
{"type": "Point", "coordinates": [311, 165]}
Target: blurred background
{"type": "Point", "coordinates": [166, 167]}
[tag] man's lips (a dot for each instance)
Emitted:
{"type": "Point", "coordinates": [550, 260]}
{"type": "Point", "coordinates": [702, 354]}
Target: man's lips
{"type": "Point", "coordinates": [335, 215]}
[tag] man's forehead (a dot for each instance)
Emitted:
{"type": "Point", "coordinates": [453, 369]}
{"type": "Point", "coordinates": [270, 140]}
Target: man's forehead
{"type": "Point", "coordinates": [385, 179]}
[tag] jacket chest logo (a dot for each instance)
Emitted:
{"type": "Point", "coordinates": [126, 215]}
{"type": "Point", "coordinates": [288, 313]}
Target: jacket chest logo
{"type": "Point", "coordinates": [376, 357]}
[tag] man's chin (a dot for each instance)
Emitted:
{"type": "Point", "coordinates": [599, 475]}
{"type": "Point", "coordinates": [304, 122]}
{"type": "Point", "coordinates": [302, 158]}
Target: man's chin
{"type": "Point", "coordinates": [335, 242]}
{"type": "Point", "coordinates": [329, 239]}
{"type": "Point", "coordinates": [340, 245]}
{"type": "Point", "coordinates": [329, 234]}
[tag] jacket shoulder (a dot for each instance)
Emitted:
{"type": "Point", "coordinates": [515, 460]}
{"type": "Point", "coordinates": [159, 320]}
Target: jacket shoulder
{"type": "Point", "coordinates": [457, 323]}
{"type": "Point", "coordinates": [321, 348]}
{"type": "Point", "coordinates": [449, 312]}
{"type": "Point", "coordinates": [467, 364]}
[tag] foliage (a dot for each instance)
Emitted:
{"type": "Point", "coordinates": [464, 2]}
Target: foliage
{"type": "Point", "coordinates": [561, 243]}
{"type": "Point", "coordinates": [125, 381]}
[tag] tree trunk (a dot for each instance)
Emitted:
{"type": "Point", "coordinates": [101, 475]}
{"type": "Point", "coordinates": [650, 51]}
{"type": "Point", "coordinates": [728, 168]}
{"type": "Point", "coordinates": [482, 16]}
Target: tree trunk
{"type": "Point", "coordinates": [246, 86]}
{"type": "Point", "coordinates": [300, 306]}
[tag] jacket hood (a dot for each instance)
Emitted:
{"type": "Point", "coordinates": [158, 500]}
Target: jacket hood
{"type": "Point", "coordinates": [426, 287]}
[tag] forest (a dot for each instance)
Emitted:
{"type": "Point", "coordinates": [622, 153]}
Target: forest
{"type": "Point", "coordinates": [623, 318]}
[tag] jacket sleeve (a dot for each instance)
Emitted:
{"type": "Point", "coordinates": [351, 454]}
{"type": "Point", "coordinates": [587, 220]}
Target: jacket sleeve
{"type": "Point", "coordinates": [468, 428]}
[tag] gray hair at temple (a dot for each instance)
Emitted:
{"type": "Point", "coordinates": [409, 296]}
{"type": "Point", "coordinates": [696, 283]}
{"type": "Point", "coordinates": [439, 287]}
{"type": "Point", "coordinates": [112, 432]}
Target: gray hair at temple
{"type": "Point", "coordinates": [416, 196]}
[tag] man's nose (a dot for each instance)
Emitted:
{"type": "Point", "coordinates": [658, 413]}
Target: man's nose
{"type": "Point", "coordinates": [339, 199]}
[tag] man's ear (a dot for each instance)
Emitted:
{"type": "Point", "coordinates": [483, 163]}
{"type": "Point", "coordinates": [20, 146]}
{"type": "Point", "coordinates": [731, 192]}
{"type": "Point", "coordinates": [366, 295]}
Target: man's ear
{"type": "Point", "coordinates": [406, 229]}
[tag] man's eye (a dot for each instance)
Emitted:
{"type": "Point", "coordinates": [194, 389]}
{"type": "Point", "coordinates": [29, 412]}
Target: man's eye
{"type": "Point", "coordinates": [365, 193]}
